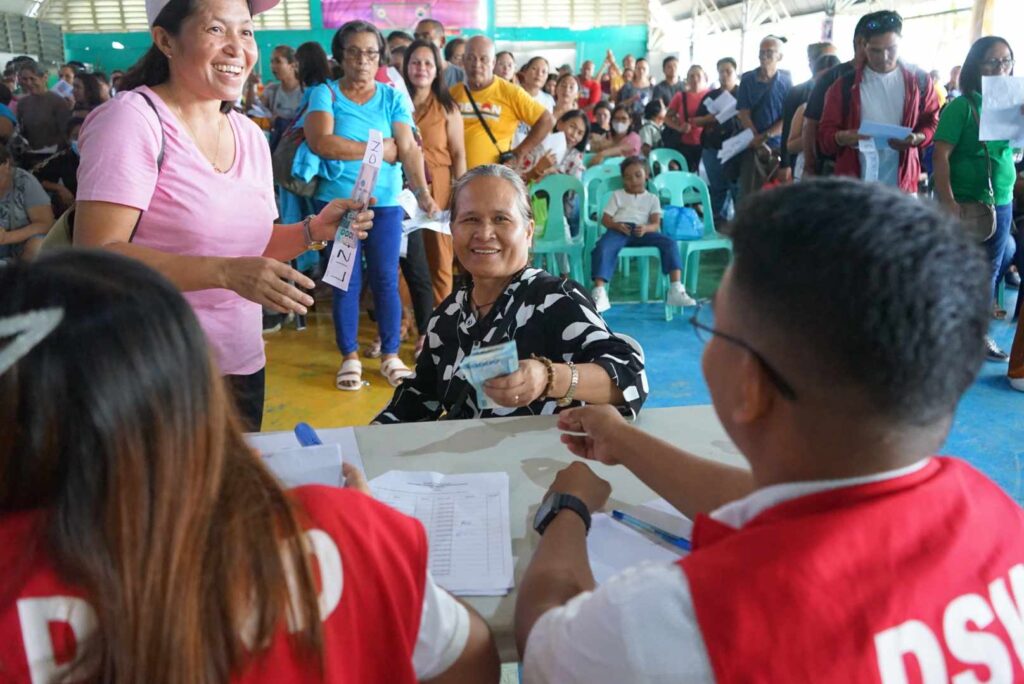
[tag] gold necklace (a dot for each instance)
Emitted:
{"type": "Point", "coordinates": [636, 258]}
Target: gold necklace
{"type": "Point", "coordinates": [195, 138]}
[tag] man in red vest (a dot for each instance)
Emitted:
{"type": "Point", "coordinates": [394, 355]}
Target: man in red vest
{"type": "Point", "coordinates": [847, 328]}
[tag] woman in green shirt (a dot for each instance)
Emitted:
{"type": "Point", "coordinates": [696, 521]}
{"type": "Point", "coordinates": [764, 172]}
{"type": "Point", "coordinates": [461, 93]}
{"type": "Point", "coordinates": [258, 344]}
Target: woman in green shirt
{"type": "Point", "coordinates": [963, 170]}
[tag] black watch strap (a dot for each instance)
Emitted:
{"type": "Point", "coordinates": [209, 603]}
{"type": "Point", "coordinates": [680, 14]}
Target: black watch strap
{"type": "Point", "coordinates": [564, 501]}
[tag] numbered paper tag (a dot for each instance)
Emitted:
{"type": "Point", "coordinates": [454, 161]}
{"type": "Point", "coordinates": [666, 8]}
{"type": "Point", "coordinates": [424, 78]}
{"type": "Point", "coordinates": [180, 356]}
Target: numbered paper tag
{"type": "Point", "coordinates": [343, 256]}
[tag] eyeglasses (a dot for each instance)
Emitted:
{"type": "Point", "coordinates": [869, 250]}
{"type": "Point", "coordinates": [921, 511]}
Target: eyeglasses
{"type": "Point", "coordinates": [1004, 63]}
{"type": "Point", "coordinates": [885, 20]}
{"type": "Point", "coordinates": [357, 55]}
{"type": "Point", "coordinates": [705, 332]}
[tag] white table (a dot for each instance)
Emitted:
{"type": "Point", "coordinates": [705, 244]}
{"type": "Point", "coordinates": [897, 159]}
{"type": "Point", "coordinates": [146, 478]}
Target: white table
{"type": "Point", "coordinates": [529, 450]}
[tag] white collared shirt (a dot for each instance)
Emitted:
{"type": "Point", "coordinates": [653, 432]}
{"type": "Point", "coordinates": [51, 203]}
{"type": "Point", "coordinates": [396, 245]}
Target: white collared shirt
{"type": "Point", "coordinates": [640, 626]}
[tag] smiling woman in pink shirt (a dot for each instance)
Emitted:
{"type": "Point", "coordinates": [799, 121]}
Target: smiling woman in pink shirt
{"type": "Point", "coordinates": [171, 176]}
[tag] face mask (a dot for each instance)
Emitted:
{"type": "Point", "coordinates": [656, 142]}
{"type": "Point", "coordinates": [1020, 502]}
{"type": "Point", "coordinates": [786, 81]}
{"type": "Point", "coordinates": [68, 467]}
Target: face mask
{"type": "Point", "coordinates": [620, 127]}
{"type": "Point", "coordinates": [74, 147]}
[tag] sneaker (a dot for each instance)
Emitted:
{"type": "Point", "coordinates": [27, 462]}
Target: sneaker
{"type": "Point", "coordinates": [1017, 384]}
{"type": "Point", "coordinates": [272, 322]}
{"type": "Point", "coordinates": [677, 296]}
{"type": "Point", "coordinates": [600, 297]}
{"type": "Point", "coordinates": [993, 352]}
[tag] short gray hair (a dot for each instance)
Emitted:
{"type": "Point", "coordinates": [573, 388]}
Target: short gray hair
{"type": "Point", "coordinates": [493, 171]}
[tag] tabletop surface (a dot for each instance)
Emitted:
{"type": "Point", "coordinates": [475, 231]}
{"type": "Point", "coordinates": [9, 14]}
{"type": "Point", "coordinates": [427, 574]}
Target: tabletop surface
{"type": "Point", "coordinates": [529, 450]}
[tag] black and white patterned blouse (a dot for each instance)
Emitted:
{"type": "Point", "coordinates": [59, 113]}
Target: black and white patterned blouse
{"type": "Point", "coordinates": [551, 317]}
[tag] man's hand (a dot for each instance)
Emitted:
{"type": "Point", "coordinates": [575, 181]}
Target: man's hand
{"type": "Point", "coordinates": [580, 481]}
{"type": "Point", "coordinates": [354, 479]}
{"type": "Point", "coordinates": [784, 175]}
{"type": "Point", "coordinates": [849, 138]}
{"type": "Point", "coordinates": [757, 141]}
{"type": "Point", "coordinates": [912, 140]}
{"type": "Point", "coordinates": [604, 427]}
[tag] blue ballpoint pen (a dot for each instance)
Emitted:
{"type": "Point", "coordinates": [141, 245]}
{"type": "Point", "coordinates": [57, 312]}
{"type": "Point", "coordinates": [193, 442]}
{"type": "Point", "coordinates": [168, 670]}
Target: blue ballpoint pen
{"type": "Point", "coordinates": [635, 523]}
{"type": "Point", "coordinates": [306, 435]}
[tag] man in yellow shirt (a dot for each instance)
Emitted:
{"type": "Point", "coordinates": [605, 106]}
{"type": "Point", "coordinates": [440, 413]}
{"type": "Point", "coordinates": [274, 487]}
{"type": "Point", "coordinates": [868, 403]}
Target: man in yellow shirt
{"type": "Point", "coordinates": [501, 104]}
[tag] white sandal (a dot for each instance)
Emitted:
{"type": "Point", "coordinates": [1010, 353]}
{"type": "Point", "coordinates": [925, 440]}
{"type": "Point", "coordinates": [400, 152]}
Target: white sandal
{"type": "Point", "coordinates": [394, 371]}
{"type": "Point", "coordinates": [351, 371]}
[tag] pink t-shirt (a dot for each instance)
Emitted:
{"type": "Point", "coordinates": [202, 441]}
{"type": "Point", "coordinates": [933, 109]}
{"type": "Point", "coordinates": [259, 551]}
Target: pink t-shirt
{"type": "Point", "coordinates": [188, 208]}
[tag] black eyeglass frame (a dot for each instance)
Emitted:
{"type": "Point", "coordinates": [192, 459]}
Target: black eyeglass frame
{"type": "Point", "coordinates": [785, 389]}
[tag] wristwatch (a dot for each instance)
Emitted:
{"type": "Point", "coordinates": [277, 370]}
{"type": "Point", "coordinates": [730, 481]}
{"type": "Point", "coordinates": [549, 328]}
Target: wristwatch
{"type": "Point", "coordinates": [554, 503]}
{"type": "Point", "coordinates": [316, 245]}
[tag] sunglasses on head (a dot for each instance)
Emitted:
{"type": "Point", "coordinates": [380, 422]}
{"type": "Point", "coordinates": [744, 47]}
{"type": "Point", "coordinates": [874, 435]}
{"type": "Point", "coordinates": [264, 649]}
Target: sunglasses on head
{"type": "Point", "coordinates": [885, 20]}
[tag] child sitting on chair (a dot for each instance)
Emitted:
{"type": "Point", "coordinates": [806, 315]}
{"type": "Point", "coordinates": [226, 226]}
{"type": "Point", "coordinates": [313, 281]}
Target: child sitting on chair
{"type": "Point", "coordinates": [633, 219]}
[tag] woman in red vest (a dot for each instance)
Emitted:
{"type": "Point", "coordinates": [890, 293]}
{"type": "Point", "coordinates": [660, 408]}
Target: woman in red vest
{"type": "Point", "coordinates": [142, 540]}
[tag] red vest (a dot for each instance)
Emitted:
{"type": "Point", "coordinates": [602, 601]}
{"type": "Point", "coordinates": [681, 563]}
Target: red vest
{"type": "Point", "coordinates": [371, 563]}
{"type": "Point", "coordinates": [915, 579]}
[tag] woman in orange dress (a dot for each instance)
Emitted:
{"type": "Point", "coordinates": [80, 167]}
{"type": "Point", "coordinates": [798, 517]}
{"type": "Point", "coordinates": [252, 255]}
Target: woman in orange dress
{"type": "Point", "coordinates": [439, 124]}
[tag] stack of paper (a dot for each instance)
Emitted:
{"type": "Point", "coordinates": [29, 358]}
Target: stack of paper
{"type": "Point", "coordinates": [555, 144]}
{"type": "Point", "coordinates": [883, 132]}
{"type": "Point", "coordinates": [296, 465]}
{"type": "Point", "coordinates": [1001, 100]}
{"type": "Point", "coordinates": [419, 219]}
{"type": "Point", "coordinates": [723, 106]}
{"type": "Point", "coordinates": [613, 546]}
{"type": "Point", "coordinates": [467, 521]}
{"type": "Point", "coordinates": [735, 145]}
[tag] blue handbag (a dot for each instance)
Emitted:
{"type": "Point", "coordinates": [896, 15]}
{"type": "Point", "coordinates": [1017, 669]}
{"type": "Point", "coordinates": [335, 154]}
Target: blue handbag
{"type": "Point", "coordinates": [682, 223]}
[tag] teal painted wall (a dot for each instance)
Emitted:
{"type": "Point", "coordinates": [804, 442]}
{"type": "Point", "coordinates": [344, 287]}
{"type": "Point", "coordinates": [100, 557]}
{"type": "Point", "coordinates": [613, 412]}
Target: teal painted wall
{"type": "Point", "coordinates": [591, 44]}
{"type": "Point", "coordinates": [95, 48]}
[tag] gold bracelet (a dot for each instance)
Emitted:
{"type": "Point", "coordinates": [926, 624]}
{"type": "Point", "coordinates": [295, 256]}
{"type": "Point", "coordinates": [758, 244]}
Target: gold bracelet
{"type": "Point", "coordinates": [550, 367]}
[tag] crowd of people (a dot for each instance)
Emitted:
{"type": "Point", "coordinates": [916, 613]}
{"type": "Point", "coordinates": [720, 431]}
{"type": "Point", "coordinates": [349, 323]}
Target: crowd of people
{"type": "Point", "coordinates": [143, 540]}
{"type": "Point", "coordinates": [448, 105]}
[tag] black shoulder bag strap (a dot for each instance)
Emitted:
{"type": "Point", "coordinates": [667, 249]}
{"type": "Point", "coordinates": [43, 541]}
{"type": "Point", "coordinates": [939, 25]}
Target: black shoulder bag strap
{"type": "Point", "coordinates": [480, 118]}
{"type": "Point", "coordinates": [460, 399]}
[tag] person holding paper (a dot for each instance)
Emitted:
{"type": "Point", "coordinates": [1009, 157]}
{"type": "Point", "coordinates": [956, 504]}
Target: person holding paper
{"type": "Point", "coordinates": [566, 353]}
{"type": "Point", "coordinates": [170, 175]}
{"type": "Point", "coordinates": [882, 91]}
{"type": "Point", "coordinates": [341, 115]}
{"type": "Point", "coordinates": [143, 540]}
{"type": "Point", "coordinates": [968, 171]}
{"type": "Point", "coordinates": [575, 126]}
{"type": "Point", "coordinates": [444, 150]}
{"type": "Point", "coordinates": [722, 178]}
{"type": "Point", "coordinates": [847, 551]}
{"type": "Point", "coordinates": [759, 108]}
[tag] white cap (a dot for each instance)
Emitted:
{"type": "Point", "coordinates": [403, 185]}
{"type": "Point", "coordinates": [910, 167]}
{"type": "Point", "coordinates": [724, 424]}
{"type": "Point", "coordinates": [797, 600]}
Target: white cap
{"type": "Point", "coordinates": [155, 7]}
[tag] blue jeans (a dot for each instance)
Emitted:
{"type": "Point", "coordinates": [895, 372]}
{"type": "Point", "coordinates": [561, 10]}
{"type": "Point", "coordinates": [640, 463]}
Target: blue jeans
{"type": "Point", "coordinates": [606, 252]}
{"type": "Point", "coordinates": [381, 248]}
{"type": "Point", "coordinates": [1001, 246]}
{"type": "Point", "coordinates": [723, 191]}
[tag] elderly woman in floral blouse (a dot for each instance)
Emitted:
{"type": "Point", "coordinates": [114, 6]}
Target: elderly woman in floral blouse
{"type": "Point", "coordinates": [567, 354]}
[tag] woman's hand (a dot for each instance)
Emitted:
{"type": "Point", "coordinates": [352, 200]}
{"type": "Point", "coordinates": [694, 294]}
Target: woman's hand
{"type": "Point", "coordinates": [546, 162]}
{"type": "Point", "coordinates": [354, 479]}
{"type": "Point", "coordinates": [602, 425]}
{"type": "Point", "coordinates": [521, 388]}
{"type": "Point", "coordinates": [427, 203]}
{"type": "Point", "coordinates": [325, 226]}
{"type": "Point", "coordinates": [265, 281]}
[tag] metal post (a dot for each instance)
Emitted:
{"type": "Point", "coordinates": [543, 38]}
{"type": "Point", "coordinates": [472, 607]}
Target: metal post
{"type": "Point", "coordinates": [745, 22]}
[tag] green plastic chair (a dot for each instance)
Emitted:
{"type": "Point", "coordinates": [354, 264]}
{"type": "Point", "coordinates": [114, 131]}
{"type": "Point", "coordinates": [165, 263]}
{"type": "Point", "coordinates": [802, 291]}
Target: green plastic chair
{"type": "Point", "coordinates": [642, 254]}
{"type": "Point", "coordinates": [551, 239]}
{"type": "Point", "coordinates": [661, 157]}
{"type": "Point", "coordinates": [681, 189]}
